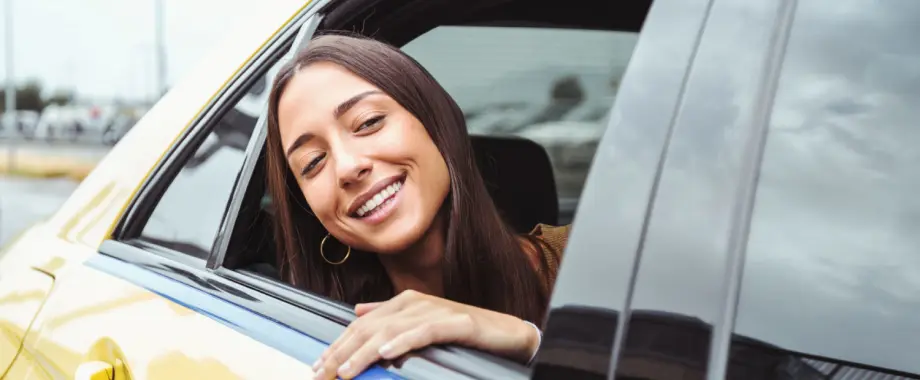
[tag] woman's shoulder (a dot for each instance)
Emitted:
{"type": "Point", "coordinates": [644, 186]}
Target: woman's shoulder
{"type": "Point", "coordinates": [552, 241]}
{"type": "Point", "coordinates": [554, 236]}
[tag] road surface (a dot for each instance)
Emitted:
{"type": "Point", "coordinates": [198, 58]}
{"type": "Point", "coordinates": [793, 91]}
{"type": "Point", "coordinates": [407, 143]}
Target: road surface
{"type": "Point", "coordinates": [25, 201]}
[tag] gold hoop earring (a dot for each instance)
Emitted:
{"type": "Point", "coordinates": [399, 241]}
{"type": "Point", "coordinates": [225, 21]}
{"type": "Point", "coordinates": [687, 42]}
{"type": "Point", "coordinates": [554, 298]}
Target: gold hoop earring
{"type": "Point", "coordinates": [323, 253]}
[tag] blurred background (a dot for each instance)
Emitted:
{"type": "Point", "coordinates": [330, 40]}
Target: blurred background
{"type": "Point", "coordinates": [76, 77]}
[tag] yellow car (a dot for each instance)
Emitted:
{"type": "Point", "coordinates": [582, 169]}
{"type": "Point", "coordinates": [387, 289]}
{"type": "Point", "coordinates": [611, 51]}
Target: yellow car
{"type": "Point", "coordinates": [161, 264]}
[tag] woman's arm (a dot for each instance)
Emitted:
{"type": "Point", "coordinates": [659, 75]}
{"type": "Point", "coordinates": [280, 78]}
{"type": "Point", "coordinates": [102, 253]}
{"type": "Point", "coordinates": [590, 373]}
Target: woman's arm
{"type": "Point", "coordinates": [413, 320]}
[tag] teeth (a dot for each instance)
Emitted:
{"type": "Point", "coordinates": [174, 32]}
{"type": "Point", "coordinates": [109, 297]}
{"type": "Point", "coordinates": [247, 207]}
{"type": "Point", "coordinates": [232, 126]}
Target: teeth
{"type": "Point", "coordinates": [379, 199]}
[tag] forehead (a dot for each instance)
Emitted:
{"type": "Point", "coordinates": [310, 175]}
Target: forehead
{"type": "Point", "coordinates": [318, 89]}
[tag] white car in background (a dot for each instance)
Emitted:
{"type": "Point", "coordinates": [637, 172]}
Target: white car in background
{"type": "Point", "coordinates": [20, 123]}
{"type": "Point", "coordinates": [87, 123]}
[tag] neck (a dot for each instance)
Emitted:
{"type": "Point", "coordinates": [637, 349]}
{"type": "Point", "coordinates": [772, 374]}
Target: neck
{"type": "Point", "coordinates": [419, 266]}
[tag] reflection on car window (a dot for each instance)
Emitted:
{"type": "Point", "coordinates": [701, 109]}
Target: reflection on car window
{"type": "Point", "coordinates": [553, 86]}
{"type": "Point", "coordinates": [189, 214]}
{"type": "Point", "coordinates": [833, 258]}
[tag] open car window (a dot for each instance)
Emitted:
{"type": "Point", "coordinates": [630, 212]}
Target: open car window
{"type": "Point", "coordinates": [550, 84]}
{"type": "Point", "coordinates": [553, 86]}
{"type": "Point", "coordinates": [188, 216]}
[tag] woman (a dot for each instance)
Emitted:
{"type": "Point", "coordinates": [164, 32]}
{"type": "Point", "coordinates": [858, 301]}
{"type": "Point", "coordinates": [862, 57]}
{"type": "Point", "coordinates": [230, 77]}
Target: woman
{"type": "Point", "coordinates": [392, 214]}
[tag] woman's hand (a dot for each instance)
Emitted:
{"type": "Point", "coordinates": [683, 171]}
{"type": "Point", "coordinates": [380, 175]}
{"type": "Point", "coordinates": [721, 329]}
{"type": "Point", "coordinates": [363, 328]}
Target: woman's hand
{"type": "Point", "coordinates": [412, 320]}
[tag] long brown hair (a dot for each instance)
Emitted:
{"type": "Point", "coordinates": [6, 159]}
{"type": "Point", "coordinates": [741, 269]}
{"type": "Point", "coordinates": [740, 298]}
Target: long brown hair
{"type": "Point", "coordinates": [484, 263]}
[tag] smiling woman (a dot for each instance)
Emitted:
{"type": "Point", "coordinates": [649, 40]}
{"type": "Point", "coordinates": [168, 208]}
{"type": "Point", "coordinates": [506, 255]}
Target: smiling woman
{"type": "Point", "coordinates": [384, 165]}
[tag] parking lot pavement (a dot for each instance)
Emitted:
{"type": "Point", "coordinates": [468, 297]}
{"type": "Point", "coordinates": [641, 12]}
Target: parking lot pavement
{"type": "Point", "coordinates": [34, 192]}
{"type": "Point", "coordinates": [26, 201]}
{"type": "Point", "coordinates": [42, 160]}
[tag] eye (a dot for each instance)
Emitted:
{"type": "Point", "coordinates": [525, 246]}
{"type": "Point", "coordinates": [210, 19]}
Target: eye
{"type": "Point", "coordinates": [370, 123]}
{"type": "Point", "coordinates": [312, 165]}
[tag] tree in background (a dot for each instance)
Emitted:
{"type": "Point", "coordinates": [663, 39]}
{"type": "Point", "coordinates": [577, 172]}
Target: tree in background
{"type": "Point", "coordinates": [29, 97]}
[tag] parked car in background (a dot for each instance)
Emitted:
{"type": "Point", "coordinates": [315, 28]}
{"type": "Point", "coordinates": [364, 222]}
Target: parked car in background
{"type": "Point", "coordinates": [18, 124]}
{"type": "Point", "coordinates": [748, 212]}
{"type": "Point", "coordinates": [106, 123]}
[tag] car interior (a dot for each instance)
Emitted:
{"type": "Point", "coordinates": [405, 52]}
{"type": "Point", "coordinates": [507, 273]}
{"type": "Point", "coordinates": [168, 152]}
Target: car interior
{"type": "Point", "coordinates": [517, 171]}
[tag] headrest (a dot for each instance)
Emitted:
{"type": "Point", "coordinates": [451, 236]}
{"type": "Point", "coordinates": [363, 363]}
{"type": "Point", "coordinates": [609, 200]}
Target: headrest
{"type": "Point", "coordinates": [519, 176]}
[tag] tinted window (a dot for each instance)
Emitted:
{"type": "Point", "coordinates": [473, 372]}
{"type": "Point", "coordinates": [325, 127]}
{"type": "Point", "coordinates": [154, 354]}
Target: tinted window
{"type": "Point", "coordinates": [552, 86]}
{"type": "Point", "coordinates": [833, 257]}
{"type": "Point", "coordinates": [189, 214]}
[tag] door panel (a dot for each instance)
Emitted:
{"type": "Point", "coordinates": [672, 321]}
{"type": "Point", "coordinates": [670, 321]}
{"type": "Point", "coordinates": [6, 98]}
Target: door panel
{"type": "Point", "coordinates": [21, 297]}
{"type": "Point", "coordinates": [165, 331]}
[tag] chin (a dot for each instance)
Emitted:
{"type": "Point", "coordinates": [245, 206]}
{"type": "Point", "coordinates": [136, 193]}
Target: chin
{"type": "Point", "coordinates": [394, 243]}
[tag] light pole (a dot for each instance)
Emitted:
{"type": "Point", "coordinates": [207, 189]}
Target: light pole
{"type": "Point", "coordinates": [10, 91]}
{"type": "Point", "coordinates": [160, 47]}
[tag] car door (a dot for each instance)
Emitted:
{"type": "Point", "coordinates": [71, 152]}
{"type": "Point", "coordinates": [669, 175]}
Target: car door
{"type": "Point", "coordinates": [135, 308]}
{"type": "Point", "coordinates": [778, 242]}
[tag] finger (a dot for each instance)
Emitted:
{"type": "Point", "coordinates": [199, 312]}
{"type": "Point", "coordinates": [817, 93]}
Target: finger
{"type": "Point", "coordinates": [451, 329]}
{"type": "Point", "coordinates": [373, 313]}
{"type": "Point", "coordinates": [366, 351]}
{"type": "Point", "coordinates": [364, 308]}
{"type": "Point", "coordinates": [363, 357]}
{"type": "Point", "coordinates": [338, 354]}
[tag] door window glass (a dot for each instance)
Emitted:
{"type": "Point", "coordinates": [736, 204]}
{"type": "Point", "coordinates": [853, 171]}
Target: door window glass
{"type": "Point", "coordinates": [833, 257]}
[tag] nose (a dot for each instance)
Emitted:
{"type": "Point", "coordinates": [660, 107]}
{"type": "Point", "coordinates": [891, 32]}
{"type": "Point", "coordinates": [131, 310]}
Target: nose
{"type": "Point", "coordinates": [351, 167]}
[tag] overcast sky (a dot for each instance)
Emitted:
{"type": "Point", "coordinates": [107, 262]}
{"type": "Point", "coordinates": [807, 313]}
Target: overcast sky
{"type": "Point", "coordinates": [105, 48]}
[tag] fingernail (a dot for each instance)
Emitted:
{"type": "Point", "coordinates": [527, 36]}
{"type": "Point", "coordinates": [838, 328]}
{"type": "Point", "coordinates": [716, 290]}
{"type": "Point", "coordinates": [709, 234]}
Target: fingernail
{"type": "Point", "coordinates": [343, 370]}
{"type": "Point", "coordinates": [319, 362]}
{"type": "Point", "coordinates": [384, 349]}
{"type": "Point", "coordinates": [319, 374]}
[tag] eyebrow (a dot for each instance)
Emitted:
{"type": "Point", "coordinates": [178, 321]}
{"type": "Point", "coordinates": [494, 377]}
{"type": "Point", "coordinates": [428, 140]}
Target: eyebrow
{"type": "Point", "coordinates": [340, 110]}
{"type": "Point", "coordinates": [301, 140]}
{"type": "Point", "coordinates": [346, 105]}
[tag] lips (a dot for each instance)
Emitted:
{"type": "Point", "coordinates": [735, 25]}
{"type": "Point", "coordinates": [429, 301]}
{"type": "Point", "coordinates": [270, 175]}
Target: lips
{"type": "Point", "coordinates": [377, 195]}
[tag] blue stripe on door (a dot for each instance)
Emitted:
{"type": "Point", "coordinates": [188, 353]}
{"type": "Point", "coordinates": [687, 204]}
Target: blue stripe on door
{"type": "Point", "coordinates": [283, 338]}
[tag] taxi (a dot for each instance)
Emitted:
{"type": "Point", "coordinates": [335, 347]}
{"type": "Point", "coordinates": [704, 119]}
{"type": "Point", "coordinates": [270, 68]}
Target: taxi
{"type": "Point", "coordinates": [742, 207]}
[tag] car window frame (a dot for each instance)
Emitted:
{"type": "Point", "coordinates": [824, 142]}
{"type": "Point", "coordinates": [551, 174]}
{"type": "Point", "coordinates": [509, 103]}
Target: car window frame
{"type": "Point", "coordinates": [758, 125]}
{"type": "Point", "coordinates": [317, 306]}
{"type": "Point", "coordinates": [471, 362]}
{"type": "Point", "coordinates": [740, 199]}
{"type": "Point", "coordinates": [449, 361]}
{"type": "Point", "coordinates": [311, 315]}
{"type": "Point", "coordinates": [658, 123]}
{"type": "Point", "coordinates": [130, 226]}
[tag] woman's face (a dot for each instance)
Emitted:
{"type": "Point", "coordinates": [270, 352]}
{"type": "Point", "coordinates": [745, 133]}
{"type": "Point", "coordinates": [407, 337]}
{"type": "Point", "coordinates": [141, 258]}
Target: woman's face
{"type": "Point", "coordinates": [367, 167]}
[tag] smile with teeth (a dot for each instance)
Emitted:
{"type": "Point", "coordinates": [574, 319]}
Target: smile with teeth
{"type": "Point", "coordinates": [385, 196]}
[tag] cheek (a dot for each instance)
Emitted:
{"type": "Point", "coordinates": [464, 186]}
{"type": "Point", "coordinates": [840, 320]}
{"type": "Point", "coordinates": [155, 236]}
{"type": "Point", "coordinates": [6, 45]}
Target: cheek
{"type": "Point", "coordinates": [320, 198]}
{"type": "Point", "coordinates": [435, 166]}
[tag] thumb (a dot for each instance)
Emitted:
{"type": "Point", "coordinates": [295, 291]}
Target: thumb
{"type": "Point", "coordinates": [364, 308]}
